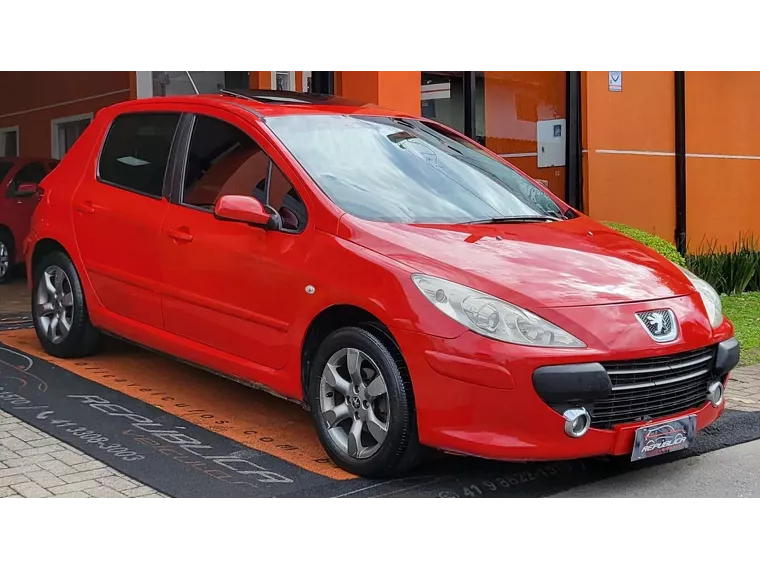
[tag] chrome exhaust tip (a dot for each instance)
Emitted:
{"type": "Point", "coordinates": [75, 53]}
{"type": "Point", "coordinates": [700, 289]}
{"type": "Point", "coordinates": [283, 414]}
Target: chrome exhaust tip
{"type": "Point", "coordinates": [715, 393]}
{"type": "Point", "coordinates": [577, 422]}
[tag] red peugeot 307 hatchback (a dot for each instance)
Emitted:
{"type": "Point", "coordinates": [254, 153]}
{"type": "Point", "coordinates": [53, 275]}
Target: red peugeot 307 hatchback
{"type": "Point", "coordinates": [408, 286]}
{"type": "Point", "coordinates": [19, 179]}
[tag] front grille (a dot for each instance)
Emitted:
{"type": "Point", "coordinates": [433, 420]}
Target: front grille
{"type": "Point", "coordinates": [654, 387]}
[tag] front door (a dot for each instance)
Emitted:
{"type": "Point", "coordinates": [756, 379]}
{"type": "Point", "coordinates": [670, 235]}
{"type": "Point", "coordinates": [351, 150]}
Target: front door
{"type": "Point", "coordinates": [118, 215]}
{"type": "Point", "coordinates": [21, 204]}
{"type": "Point", "coordinates": [229, 285]}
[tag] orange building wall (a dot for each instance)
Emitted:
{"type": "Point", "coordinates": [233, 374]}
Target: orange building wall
{"type": "Point", "coordinates": [31, 99]}
{"type": "Point", "coordinates": [514, 101]}
{"type": "Point", "coordinates": [723, 191]}
{"type": "Point", "coordinates": [260, 79]}
{"type": "Point", "coordinates": [397, 90]}
{"type": "Point", "coordinates": [635, 184]}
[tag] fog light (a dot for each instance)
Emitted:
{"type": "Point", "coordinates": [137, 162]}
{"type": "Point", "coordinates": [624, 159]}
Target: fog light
{"type": "Point", "coordinates": [577, 422]}
{"type": "Point", "coordinates": [715, 394]}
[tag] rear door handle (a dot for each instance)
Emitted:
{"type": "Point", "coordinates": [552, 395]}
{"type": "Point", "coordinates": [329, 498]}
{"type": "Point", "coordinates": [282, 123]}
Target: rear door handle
{"type": "Point", "coordinates": [85, 207]}
{"type": "Point", "coordinates": [180, 235]}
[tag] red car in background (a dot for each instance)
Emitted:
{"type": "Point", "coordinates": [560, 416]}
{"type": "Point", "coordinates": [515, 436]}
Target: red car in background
{"type": "Point", "coordinates": [19, 178]}
{"type": "Point", "coordinates": [402, 282]}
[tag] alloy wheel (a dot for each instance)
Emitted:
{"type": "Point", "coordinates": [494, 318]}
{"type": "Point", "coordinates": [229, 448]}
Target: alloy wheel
{"type": "Point", "coordinates": [5, 259]}
{"type": "Point", "coordinates": [353, 399]}
{"type": "Point", "coordinates": [54, 306]}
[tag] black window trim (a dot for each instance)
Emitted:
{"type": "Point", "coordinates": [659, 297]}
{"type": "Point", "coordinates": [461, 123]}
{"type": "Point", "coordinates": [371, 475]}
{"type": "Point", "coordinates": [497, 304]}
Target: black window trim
{"type": "Point", "coordinates": [180, 161]}
{"type": "Point", "coordinates": [167, 172]}
{"type": "Point", "coordinates": [10, 192]}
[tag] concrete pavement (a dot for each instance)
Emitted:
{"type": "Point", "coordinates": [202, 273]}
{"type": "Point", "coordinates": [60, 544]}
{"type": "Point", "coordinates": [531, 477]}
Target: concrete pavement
{"type": "Point", "coordinates": [743, 390]}
{"type": "Point", "coordinates": [36, 465]}
{"type": "Point", "coordinates": [15, 297]}
{"type": "Point", "coordinates": [727, 473]}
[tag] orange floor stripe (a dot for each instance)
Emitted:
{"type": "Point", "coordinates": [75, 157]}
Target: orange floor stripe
{"type": "Point", "coordinates": [250, 417]}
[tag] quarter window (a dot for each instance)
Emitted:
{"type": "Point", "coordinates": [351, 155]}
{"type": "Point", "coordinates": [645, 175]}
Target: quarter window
{"type": "Point", "coordinates": [284, 198]}
{"type": "Point", "coordinates": [136, 152]}
{"type": "Point", "coordinates": [223, 160]}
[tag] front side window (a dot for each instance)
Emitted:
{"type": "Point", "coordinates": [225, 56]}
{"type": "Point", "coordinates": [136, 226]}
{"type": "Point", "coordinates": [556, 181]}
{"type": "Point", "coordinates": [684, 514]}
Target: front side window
{"type": "Point", "coordinates": [223, 160]}
{"type": "Point", "coordinates": [136, 152]}
{"type": "Point", "coordinates": [408, 171]}
{"type": "Point", "coordinates": [32, 173]}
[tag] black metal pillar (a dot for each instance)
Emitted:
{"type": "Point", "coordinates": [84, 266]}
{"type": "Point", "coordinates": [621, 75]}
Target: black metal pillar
{"type": "Point", "coordinates": [573, 142]}
{"type": "Point", "coordinates": [469, 104]}
{"type": "Point", "coordinates": [236, 76]}
{"type": "Point", "coordinates": [323, 82]}
{"type": "Point", "coordinates": [680, 135]}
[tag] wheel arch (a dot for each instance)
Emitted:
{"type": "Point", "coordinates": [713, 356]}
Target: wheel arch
{"type": "Point", "coordinates": [7, 230]}
{"type": "Point", "coordinates": [333, 318]}
{"type": "Point", "coordinates": [45, 246]}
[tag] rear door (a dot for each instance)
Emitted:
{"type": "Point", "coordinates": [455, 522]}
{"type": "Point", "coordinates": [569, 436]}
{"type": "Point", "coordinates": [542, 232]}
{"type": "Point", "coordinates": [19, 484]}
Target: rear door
{"type": "Point", "coordinates": [118, 213]}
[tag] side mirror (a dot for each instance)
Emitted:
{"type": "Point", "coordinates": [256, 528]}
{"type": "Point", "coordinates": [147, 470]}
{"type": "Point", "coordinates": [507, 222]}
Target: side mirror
{"type": "Point", "coordinates": [246, 209]}
{"type": "Point", "coordinates": [26, 189]}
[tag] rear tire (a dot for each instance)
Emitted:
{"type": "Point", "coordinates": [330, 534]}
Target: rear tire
{"type": "Point", "coordinates": [7, 255]}
{"type": "Point", "coordinates": [362, 404]}
{"type": "Point", "coordinates": [59, 309]}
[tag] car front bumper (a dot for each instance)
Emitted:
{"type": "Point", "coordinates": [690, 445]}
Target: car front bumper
{"type": "Point", "coordinates": [478, 397]}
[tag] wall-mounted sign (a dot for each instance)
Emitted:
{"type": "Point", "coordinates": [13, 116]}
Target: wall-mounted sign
{"type": "Point", "coordinates": [436, 91]}
{"type": "Point", "coordinates": [615, 80]}
{"type": "Point", "coordinates": [550, 139]}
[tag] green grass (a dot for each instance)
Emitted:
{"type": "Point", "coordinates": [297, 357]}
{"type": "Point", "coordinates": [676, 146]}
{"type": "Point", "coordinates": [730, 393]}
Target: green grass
{"type": "Point", "coordinates": [744, 312]}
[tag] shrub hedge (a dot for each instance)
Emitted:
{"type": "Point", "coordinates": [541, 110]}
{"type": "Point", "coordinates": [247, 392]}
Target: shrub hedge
{"type": "Point", "coordinates": [731, 270]}
{"type": "Point", "coordinates": [663, 247]}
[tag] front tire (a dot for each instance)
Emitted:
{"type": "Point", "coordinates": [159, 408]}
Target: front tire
{"type": "Point", "coordinates": [362, 404]}
{"type": "Point", "coordinates": [7, 254]}
{"type": "Point", "coordinates": [59, 309]}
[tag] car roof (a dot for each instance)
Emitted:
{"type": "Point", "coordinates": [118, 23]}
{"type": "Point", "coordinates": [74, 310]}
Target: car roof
{"type": "Point", "coordinates": [270, 103]}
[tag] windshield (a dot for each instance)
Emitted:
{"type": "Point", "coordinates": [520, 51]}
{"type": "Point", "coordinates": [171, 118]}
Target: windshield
{"type": "Point", "coordinates": [403, 170]}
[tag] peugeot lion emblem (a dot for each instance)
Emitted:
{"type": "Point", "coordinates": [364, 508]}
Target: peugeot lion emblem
{"type": "Point", "coordinates": [661, 325]}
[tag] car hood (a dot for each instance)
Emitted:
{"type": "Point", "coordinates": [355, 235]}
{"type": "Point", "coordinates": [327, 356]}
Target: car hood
{"type": "Point", "coordinates": [576, 262]}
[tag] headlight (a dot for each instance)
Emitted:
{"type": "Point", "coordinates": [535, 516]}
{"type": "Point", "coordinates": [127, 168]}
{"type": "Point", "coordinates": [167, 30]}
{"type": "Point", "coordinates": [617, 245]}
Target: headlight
{"type": "Point", "coordinates": [489, 316]}
{"type": "Point", "coordinates": [710, 297]}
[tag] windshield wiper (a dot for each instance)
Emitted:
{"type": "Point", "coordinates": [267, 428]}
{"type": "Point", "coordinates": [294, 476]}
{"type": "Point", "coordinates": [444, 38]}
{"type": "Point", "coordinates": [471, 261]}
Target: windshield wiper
{"type": "Point", "coordinates": [514, 219]}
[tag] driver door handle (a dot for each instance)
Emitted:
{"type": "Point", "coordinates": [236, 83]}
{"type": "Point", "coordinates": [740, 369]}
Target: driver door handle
{"type": "Point", "coordinates": [180, 235]}
{"type": "Point", "coordinates": [85, 207]}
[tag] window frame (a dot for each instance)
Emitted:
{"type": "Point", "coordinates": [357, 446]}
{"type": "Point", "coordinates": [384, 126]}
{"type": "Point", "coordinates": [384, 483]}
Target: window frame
{"type": "Point", "coordinates": [17, 131]}
{"type": "Point", "coordinates": [13, 192]}
{"type": "Point", "coordinates": [180, 166]}
{"type": "Point", "coordinates": [171, 158]}
{"type": "Point", "coordinates": [291, 80]}
{"type": "Point", "coordinates": [55, 124]}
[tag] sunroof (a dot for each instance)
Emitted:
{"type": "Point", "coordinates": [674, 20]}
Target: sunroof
{"type": "Point", "coordinates": [291, 97]}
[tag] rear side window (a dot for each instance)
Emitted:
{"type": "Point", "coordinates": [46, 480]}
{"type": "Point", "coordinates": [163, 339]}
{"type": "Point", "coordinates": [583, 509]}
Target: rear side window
{"type": "Point", "coordinates": [136, 152]}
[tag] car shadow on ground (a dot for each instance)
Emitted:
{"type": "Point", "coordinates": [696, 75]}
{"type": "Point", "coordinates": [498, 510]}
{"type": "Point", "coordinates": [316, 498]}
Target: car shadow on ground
{"type": "Point", "coordinates": [448, 476]}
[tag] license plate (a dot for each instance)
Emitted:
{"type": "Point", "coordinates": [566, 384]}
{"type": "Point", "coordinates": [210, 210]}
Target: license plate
{"type": "Point", "coordinates": [661, 438]}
